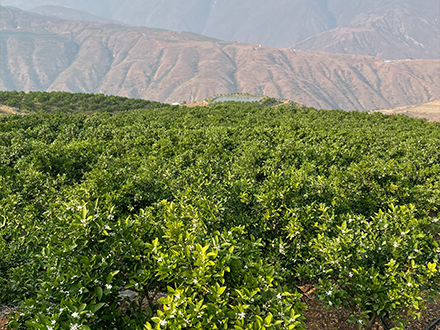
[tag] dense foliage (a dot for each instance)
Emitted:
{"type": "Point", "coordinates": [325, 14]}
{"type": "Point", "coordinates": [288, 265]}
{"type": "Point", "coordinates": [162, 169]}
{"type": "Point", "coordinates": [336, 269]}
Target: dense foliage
{"type": "Point", "coordinates": [64, 102]}
{"type": "Point", "coordinates": [200, 218]}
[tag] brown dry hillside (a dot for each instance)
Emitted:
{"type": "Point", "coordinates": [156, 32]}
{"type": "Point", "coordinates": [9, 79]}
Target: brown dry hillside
{"type": "Point", "coordinates": [397, 29]}
{"type": "Point", "coordinates": [430, 110]}
{"type": "Point", "coordinates": [42, 53]}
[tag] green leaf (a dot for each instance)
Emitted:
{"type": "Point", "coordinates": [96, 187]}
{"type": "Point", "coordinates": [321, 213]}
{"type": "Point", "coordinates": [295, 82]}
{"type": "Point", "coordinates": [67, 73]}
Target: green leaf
{"type": "Point", "coordinates": [99, 292]}
{"type": "Point", "coordinates": [109, 278]}
{"type": "Point", "coordinates": [268, 319]}
{"type": "Point", "coordinates": [221, 290]}
{"type": "Point", "coordinates": [155, 319]}
{"type": "Point", "coordinates": [97, 307]}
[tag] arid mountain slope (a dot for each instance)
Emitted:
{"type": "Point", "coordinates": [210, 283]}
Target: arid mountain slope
{"type": "Point", "coordinates": [42, 53]}
{"type": "Point", "coordinates": [408, 29]}
{"type": "Point", "coordinates": [391, 29]}
{"type": "Point", "coordinates": [278, 23]}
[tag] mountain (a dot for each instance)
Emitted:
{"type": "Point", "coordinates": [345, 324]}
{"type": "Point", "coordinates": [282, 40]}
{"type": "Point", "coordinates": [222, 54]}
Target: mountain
{"type": "Point", "coordinates": [45, 53]}
{"type": "Point", "coordinates": [391, 29]}
{"type": "Point", "coordinates": [394, 30]}
{"type": "Point", "coordinates": [69, 14]}
{"type": "Point", "coordinates": [244, 20]}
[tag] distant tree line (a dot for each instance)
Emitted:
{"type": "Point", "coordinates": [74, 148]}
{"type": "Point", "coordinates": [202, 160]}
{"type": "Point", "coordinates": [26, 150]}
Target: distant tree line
{"type": "Point", "coordinates": [65, 102]}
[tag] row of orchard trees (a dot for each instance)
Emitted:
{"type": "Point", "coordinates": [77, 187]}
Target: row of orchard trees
{"type": "Point", "coordinates": [64, 102]}
{"type": "Point", "coordinates": [213, 216]}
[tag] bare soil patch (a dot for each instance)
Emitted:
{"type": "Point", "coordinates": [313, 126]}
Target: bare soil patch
{"type": "Point", "coordinates": [5, 110]}
{"type": "Point", "coordinates": [4, 312]}
{"type": "Point", "coordinates": [430, 111]}
{"type": "Point", "coordinates": [319, 318]}
{"type": "Point", "coordinates": [197, 104]}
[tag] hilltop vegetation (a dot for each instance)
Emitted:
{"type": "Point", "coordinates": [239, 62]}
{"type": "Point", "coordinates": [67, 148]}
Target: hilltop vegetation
{"type": "Point", "coordinates": [212, 216]}
{"type": "Point", "coordinates": [64, 102]}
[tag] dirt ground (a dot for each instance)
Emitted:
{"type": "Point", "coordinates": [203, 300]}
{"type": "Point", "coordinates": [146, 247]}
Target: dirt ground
{"type": "Point", "coordinates": [318, 318]}
{"type": "Point", "coordinates": [4, 311]}
{"type": "Point", "coordinates": [5, 110]}
{"type": "Point", "coordinates": [197, 104]}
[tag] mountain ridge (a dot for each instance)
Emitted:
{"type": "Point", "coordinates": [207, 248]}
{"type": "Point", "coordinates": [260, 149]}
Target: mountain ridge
{"type": "Point", "coordinates": [361, 27]}
{"type": "Point", "coordinates": [394, 34]}
{"type": "Point", "coordinates": [43, 53]}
